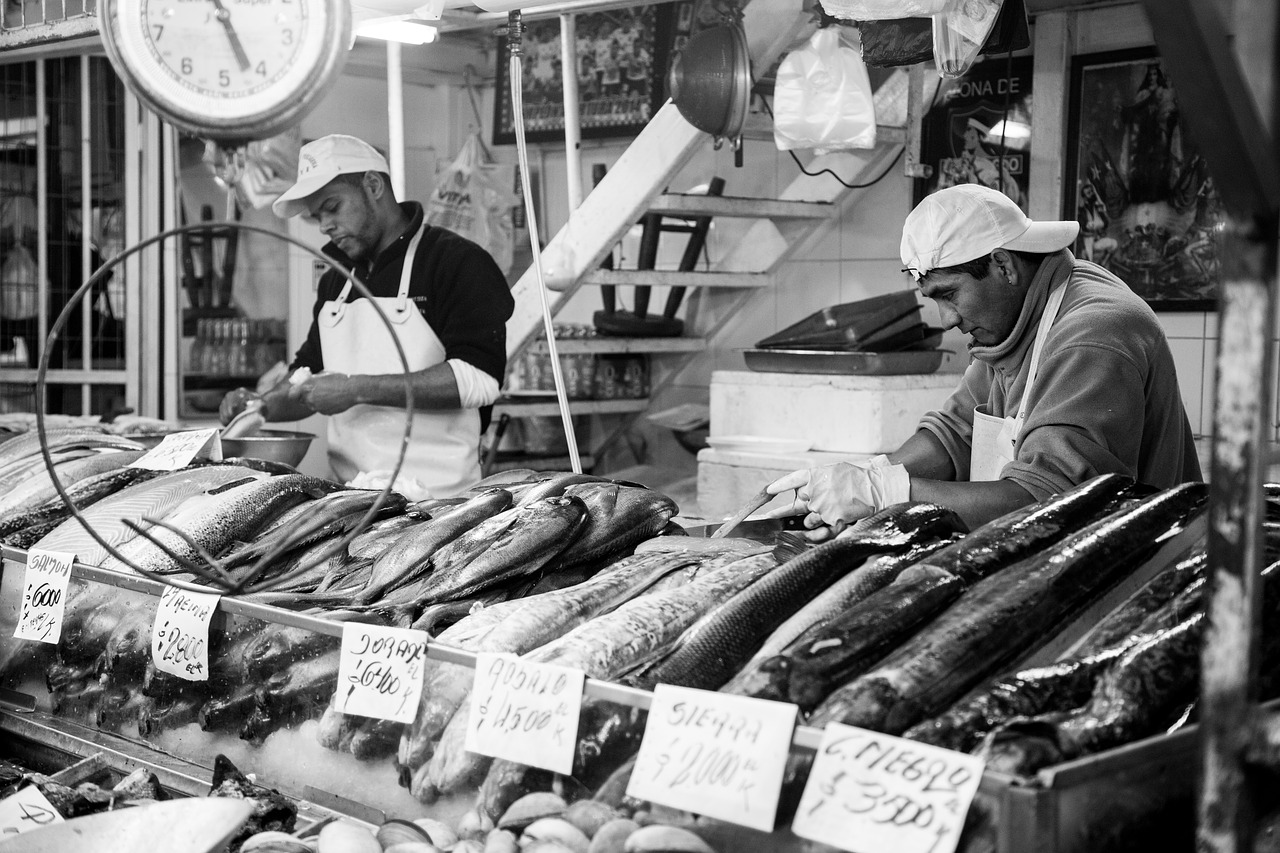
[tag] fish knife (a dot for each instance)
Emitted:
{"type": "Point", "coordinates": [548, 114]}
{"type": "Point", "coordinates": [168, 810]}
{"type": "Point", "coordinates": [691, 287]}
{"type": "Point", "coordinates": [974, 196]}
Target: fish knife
{"type": "Point", "coordinates": [752, 504]}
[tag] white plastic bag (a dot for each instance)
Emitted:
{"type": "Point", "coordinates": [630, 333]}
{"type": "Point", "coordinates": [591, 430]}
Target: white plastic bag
{"type": "Point", "coordinates": [959, 32]}
{"type": "Point", "coordinates": [822, 97]}
{"type": "Point", "coordinates": [473, 198]}
{"type": "Point", "coordinates": [882, 10]}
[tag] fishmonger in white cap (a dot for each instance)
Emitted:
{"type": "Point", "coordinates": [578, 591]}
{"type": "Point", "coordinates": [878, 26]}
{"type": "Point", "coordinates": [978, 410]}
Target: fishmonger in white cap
{"type": "Point", "coordinates": [1071, 376]}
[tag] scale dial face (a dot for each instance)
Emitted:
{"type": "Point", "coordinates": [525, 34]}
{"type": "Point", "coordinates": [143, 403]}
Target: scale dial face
{"type": "Point", "coordinates": [228, 69]}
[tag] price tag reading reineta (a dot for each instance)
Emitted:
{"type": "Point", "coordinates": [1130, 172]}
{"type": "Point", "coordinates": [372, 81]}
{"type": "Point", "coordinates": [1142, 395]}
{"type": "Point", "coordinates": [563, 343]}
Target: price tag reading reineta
{"type": "Point", "coordinates": [180, 633]}
{"type": "Point", "coordinates": [525, 711]}
{"type": "Point", "coordinates": [869, 792]}
{"type": "Point", "coordinates": [24, 811]}
{"type": "Point", "coordinates": [44, 596]}
{"type": "Point", "coordinates": [380, 671]}
{"type": "Point", "coordinates": [180, 449]}
{"type": "Point", "coordinates": [724, 753]}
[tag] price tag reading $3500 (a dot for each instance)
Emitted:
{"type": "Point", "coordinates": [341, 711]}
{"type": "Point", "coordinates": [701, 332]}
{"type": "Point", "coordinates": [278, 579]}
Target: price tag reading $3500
{"type": "Point", "coordinates": [380, 671]}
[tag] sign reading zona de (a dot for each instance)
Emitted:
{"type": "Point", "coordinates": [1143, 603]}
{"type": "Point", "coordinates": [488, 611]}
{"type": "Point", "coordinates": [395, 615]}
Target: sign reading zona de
{"type": "Point", "coordinates": [714, 753]}
{"type": "Point", "coordinates": [380, 671]}
{"type": "Point", "coordinates": [525, 711]}
{"type": "Point", "coordinates": [180, 632]}
{"type": "Point", "coordinates": [869, 792]}
{"type": "Point", "coordinates": [180, 449]}
{"type": "Point", "coordinates": [44, 596]}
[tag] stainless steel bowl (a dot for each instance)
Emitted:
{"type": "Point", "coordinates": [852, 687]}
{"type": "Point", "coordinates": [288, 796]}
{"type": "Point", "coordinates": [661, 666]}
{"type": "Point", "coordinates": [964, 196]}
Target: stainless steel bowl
{"type": "Point", "coordinates": [276, 445]}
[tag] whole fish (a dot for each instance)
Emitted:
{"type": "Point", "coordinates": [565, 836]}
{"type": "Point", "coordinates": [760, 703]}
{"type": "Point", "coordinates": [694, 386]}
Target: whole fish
{"type": "Point", "coordinates": [28, 536]}
{"type": "Point", "coordinates": [40, 488]}
{"type": "Point", "coordinates": [119, 707]}
{"type": "Point", "coordinates": [335, 729]}
{"type": "Point", "coordinates": [380, 536]}
{"type": "Point", "coordinates": [128, 648]}
{"type": "Point", "coordinates": [82, 494]}
{"type": "Point", "coordinates": [159, 715]}
{"type": "Point", "coordinates": [330, 515]}
{"type": "Point", "coordinates": [277, 646]}
{"type": "Point", "coordinates": [374, 739]}
{"type": "Point", "coordinates": [229, 711]}
{"type": "Point", "coordinates": [299, 692]}
{"type": "Point", "coordinates": [1154, 594]}
{"type": "Point", "coordinates": [27, 444]}
{"type": "Point", "coordinates": [21, 457]}
{"type": "Point", "coordinates": [553, 487]}
{"type": "Point", "coordinates": [618, 518]}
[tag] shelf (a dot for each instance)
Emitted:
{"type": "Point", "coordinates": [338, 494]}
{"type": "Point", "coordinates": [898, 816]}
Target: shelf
{"type": "Point", "coordinates": [675, 204]}
{"type": "Point", "coordinates": [675, 278]}
{"type": "Point", "coordinates": [542, 408]}
{"type": "Point", "coordinates": [510, 461]}
{"type": "Point", "coordinates": [603, 345]}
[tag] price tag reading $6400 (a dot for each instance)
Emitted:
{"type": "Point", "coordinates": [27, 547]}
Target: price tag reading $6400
{"type": "Point", "coordinates": [24, 811]}
{"type": "Point", "coordinates": [180, 634]}
{"type": "Point", "coordinates": [525, 711]}
{"type": "Point", "coordinates": [380, 671]}
{"type": "Point", "coordinates": [869, 792]}
{"type": "Point", "coordinates": [719, 755]}
{"type": "Point", "coordinates": [44, 596]}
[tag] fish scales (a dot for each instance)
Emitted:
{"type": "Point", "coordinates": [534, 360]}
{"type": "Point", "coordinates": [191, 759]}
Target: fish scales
{"type": "Point", "coordinates": [40, 487]}
{"type": "Point", "coordinates": [618, 518]}
{"type": "Point", "coordinates": [380, 536]}
{"type": "Point", "coordinates": [1154, 594]}
{"type": "Point", "coordinates": [82, 494]}
{"type": "Point", "coordinates": [28, 443]}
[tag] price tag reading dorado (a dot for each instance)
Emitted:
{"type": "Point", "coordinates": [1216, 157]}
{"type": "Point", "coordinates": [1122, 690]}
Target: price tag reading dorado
{"type": "Point", "coordinates": [724, 753]}
{"type": "Point", "coordinates": [24, 811]}
{"type": "Point", "coordinates": [380, 671]}
{"type": "Point", "coordinates": [44, 596]}
{"type": "Point", "coordinates": [869, 792]}
{"type": "Point", "coordinates": [180, 634]}
{"type": "Point", "coordinates": [525, 711]}
{"type": "Point", "coordinates": [179, 449]}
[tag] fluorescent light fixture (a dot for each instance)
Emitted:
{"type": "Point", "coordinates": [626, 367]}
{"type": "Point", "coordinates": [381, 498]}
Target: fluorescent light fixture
{"type": "Point", "coordinates": [404, 30]}
{"type": "Point", "coordinates": [1015, 134]}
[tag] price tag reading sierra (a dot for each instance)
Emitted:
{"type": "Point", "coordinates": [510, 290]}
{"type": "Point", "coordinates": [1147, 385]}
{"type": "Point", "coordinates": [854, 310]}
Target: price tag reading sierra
{"type": "Point", "coordinates": [44, 596]}
{"type": "Point", "coordinates": [180, 633]}
{"type": "Point", "coordinates": [525, 711]}
{"type": "Point", "coordinates": [380, 671]}
{"type": "Point", "coordinates": [180, 449]}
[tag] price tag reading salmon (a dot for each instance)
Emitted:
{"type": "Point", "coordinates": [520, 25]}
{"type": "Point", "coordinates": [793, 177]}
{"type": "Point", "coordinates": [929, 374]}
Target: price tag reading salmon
{"type": "Point", "coordinates": [726, 753]}
{"type": "Point", "coordinates": [44, 596]}
{"type": "Point", "coordinates": [180, 449]}
{"type": "Point", "coordinates": [869, 792]}
{"type": "Point", "coordinates": [525, 711]}
{"type": "Point", "coordinates": [24, 811]}
{"type": "Point", "coordinates": [180, 633]}
{"type": "Point", "coordinates": [380, 671]}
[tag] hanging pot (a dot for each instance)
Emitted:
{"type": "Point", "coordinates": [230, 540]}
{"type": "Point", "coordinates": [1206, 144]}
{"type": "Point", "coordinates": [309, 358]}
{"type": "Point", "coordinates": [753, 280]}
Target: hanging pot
{"type": "Point", "coordinates": [710, 81]}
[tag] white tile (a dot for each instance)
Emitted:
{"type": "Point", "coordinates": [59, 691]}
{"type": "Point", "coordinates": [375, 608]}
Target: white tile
{"type": "Point", "coordinates": [1208, 384]}
{"type": "Point", "coordinates": [860, 279]}
{"type": "Point", "coordinates": [1188, 361]}
{"type": "Point", "coordinates": [1178, 324]}
{"type": "Point", "coordinates": [872, 225]}
{"type": "Point", "coordinates": [1211, 323]}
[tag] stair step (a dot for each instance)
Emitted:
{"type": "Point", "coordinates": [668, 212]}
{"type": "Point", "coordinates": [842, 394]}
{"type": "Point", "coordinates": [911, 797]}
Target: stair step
{"type": "Point", "coordinates": [759, 127]}
{"type": "Point", "coordinates": [675, 278]}
{"type": "Point", "coordinates": [518, 409]}
{"type": "Point", "coordinates": [679, 204]}
{"type": "Point", "coordinates": [606, 345]}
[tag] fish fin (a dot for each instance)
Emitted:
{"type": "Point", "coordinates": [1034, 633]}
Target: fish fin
{"type": "Point", "coordinates": [788, 546]}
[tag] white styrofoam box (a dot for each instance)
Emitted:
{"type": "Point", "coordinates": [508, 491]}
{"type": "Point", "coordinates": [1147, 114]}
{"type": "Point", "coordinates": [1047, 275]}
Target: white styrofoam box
{"type": "Point", "coordinates": [726, 479]}
{"type": "Point", "coordinates": [840, 414]}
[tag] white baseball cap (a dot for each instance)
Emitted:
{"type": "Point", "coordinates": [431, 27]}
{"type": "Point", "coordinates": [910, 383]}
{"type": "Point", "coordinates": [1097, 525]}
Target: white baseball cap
{"type": "Point", "coordinates": [964, 222]}
{"type": "Point", "coordinates": [322, 160]}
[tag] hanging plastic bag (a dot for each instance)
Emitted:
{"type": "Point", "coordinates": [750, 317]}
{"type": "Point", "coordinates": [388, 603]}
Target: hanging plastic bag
{"type": "Point", "coordinates": [882, 10]}
{"type": "Point", "coordinates": [822, 97]}
{"type": "Point", "coordinates": [19, 285]}
{"type": "Point", "coordinates": [473, 198]}
{"type": "Point", "coordinates": [959, 32]}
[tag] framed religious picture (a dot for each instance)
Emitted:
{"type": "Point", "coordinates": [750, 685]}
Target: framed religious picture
{"type": "Point", "coordinates": [978, 130]}
{"type": "Point", "coordinates": [622, 59]}
{"type": "Point", "coordinates": [1147, 206]}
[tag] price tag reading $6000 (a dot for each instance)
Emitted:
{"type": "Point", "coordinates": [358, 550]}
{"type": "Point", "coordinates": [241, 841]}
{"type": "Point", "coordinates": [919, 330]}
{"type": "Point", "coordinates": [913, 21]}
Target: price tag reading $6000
{"type": "Point", "coordinates": [720, 755]}
{"type": "Point", "coordinates": [180, 634]}
{"type": "Point", "coordinates": [525, 711]}
{"type": "Point", "coordinates": [869, 792]}
{"type": "Point", "coordinates": [44, 596]}
{"type": "Point", "coordinates": [380, 671]}
{"type": "Point", "coordinates": [24, 811]}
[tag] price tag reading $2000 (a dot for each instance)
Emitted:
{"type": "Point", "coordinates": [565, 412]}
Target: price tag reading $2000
{"type": "Point", "coordinates": [525, 711]}
{"type": "Point", "coordinates": [24, 811]}
{"type": "Point", "coordinates": [869, 792]}
{"type": "Point", "coordinates": [179, 449]}
{"type": "Point", "coordinates": [44, 596]}
{"type": "Point", "coordinates": [719, 755]}
{"type": "Point", "coordinates": [180, 634]}
{"type": "Point", "coordinates": [380, 671]}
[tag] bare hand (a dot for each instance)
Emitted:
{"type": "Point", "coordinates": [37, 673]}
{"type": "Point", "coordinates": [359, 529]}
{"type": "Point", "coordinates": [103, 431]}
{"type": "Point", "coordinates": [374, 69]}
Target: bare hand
{"type": "Point", "coordinates": [326, 393]}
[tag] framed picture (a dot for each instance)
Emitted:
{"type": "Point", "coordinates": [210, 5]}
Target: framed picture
{"type": "Point", "coordinates": [622, 58]}
{"type": "Point", "coordinates": [979, 131]}
{"type": "Point", "coordinates": [1147, 206]}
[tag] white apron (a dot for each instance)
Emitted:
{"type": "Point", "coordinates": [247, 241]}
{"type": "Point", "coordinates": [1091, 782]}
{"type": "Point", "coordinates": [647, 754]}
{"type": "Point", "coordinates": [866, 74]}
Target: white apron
{"type": "Point", "coordinates": [443, 452]}
{"type": "Point", "coordinates": [994, 438]}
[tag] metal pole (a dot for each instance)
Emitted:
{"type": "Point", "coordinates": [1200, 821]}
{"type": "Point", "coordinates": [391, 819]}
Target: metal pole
{"type": "Point", "coordinates": [572, 133]}
{"type": "Point", "coordinates": [395, 119]}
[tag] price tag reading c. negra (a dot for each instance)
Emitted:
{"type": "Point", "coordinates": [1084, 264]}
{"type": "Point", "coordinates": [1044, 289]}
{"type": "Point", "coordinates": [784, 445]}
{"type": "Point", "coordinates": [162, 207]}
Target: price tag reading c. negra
{"type": "Point", "coordinates": [380, 671]}
{"type": "Point", "coordinates": [180, 449]}
{"type": "Point", "coordinates": [24, 811]}
{"type": "Point", "coordinates": [525, 711]}
{"type": "Point", "coordinates": [44, 596]}
{"type": "Point", "coordinates": [869, 792]}
{"type": "Point", "coordinates": [180, 634]}
{"type": "Point", "coordinates": [720, 755]}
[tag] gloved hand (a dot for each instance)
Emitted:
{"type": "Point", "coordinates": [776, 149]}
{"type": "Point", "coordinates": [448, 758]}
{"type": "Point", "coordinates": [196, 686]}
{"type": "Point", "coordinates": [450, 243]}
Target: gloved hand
{"type": "Point", "coordinates": [834, 495]}
{"type": "Point", "coordinates": [234, 402]}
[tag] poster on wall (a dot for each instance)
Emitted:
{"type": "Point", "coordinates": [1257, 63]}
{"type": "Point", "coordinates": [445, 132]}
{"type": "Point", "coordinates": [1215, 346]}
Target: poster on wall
{"type": "Point", "coordinates": [1147, 207]}
{"type": "Point", "coordinates": [979, 131]}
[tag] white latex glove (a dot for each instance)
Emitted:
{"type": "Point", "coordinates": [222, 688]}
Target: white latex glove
{"type": "Point", "coordinates": [837, 494]}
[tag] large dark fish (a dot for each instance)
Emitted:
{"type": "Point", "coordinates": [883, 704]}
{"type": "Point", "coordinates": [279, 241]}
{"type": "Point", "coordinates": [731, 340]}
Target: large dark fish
{"type": "Point", "coordinates": [618, 518]}
{"type": "Point", "coordinates": [374, 739]}
{"type": "Point", "coordinates": [229, 711]}
{"type": "Point", "coordinates": [28, 536]}
{"type": "Point", "coordinates": [331, 515]}
{"type": "Point", "coordinates": [277, 646]}
{"type": "Point", "coordinates": [159, 715]}
{"type": "Point", "coordinates": [289, 697]}
{"type": "Point", "coordinates": [1125, 620]}
{"type": "Point", "coordinates": [553, 487]}
{"type": "Point", "coordinates": [119, 708]}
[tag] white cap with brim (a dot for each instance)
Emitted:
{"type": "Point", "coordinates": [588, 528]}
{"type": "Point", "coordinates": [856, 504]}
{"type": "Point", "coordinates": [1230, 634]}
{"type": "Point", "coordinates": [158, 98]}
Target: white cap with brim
{"type": "Point", "coordinates": [964, 222]}
{"type": "Point", "coordinates": [321, 161]}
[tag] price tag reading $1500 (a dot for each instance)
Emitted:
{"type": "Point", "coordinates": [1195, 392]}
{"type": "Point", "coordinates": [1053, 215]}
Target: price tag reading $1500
{"type": "Point", "coordinates": [380, 671]}
{"type": "Point", "coordinates": [44, 596]}
{"type": "Point", "coordinates": [719, 755]}
{"type": "Point", "coordinates": [179, 449]}
{"type": "Point", "coordinates": [24, 811]}
{"type": "Point", "coordinates": [869, 792]}
{"type": "Point", "coordinates": [525, 711]}
{"type": "Point", "coordinates": [180, 634]}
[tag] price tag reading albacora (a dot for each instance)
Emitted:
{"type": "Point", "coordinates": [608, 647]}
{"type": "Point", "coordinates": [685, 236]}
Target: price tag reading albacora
{"type": "Point", "coordinates": [380, 671]}
{"type": "Point", "coordinates": [180, 449]}
{"type": "Point", "coordinates": [24, 811]}
{"type": "Point", "coordinates": [719, 755]}
{"type": "Point", "coordinates": [44, 596]}
{"type": "Point", "coordinates": [180, 634]}
{"type": "Point", "coordinates": [869, 792]}
{"type": "Point", "coordinates": [525, 711]}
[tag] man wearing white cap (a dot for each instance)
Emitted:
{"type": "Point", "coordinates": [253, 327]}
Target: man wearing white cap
{"type": "Point", "coordinates": [447, 304]}
{"type": "Point", "coordinates": [1070, 377]}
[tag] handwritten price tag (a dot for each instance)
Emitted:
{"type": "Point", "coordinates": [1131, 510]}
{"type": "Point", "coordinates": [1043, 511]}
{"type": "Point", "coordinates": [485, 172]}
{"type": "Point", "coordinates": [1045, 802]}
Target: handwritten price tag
{"type": "Point", "coordinates": [719, 755]}
{"type": "Point", "coordinates": [380, 671]}
{"type": "Point", "coordinates": [26, 810]}
{"type": "Point", "coordinates": [525, 711]}
{"type": "Point", "coordinates": [869, 792]}
{"type": "Point", "coordinates": [180, 633]}
{"type": "Point", "coordinates": [180, 449]}
{"type": "Point", "coordinates": [44, 596]}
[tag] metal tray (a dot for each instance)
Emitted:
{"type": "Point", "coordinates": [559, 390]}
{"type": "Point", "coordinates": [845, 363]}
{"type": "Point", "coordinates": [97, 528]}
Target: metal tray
{"type": "Point", "coordinates": [843, 363]}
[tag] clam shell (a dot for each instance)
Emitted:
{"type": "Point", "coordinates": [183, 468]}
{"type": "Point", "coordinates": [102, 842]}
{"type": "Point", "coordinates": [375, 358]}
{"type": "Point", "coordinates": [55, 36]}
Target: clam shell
{"type": "Point", "coordinates": [589, 815]}
{"type": "Point", "coordinates": [468, 845]}
{"type": "Point", "coordinates": [529, 808]}
{"type": "Point", "coordinates": [665, 839]}
{"type": "Point", "coordinates": [475, 824]}
{"type": "Point", "coordinates": [273, 841]}
{"type": "Point", "coordinates": [397, 831]}
{"type": "Point", "coordinates": [346, 837]}
{"type": "Point", "coordinates": [441, 834]}
{"type": "Point", "coordinates": [501, 841]}
{"type": "Point", "coordinates": [545, 847]}
{"type": "Point", "coordinates": [558, 830]}
{"type": "Point", "coordinates": [411, 847]}
{"type": "Point", "coordinates": [611, 837]}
